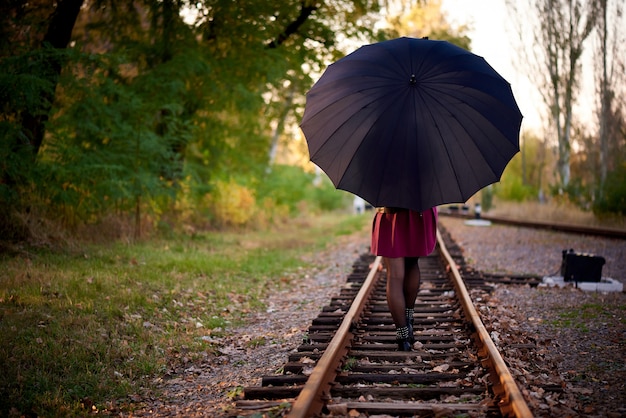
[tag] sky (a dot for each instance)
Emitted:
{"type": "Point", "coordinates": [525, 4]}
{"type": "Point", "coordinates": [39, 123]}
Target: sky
{"type": "Point", "coordinates": [491, 40]}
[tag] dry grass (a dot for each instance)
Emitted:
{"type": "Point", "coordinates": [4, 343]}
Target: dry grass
{"type": "Point", "coordinates": [557, 212]}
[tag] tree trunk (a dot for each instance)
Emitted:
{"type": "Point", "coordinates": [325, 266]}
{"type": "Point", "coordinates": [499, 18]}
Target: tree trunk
{"type": "Point", "coordinates": [58, 37]}
{"type": "Point", "coordinates": [605, 104]}
{"type": "Point", "coordinates": [565, 27]}
{"type": "Point", "coordinates": [279, 128]}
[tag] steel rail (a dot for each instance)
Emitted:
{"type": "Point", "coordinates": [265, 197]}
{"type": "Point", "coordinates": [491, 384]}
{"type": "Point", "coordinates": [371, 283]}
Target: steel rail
{"type": "Point", "coordinates": [554, 226]}
{"type": "Point", "coordinates": [316, 390]}
{"type": "Point", "coordinates": [310, 400]}
{"type": "Point", "coordinates": [513, 401]}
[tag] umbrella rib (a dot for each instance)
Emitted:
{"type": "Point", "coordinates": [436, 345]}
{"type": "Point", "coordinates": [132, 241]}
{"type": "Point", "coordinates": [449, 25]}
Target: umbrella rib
{"type": "Point", "coordinates": [429, 111]}
{"type": "Point", "coordinates": [371, 158]}
{"type": "Point", "coordinates": [471, 120]}
{"type": "Point", "coordinates": [452, 133]}
{"type": "Point", "coordinates": [365, 105]}
{"type": "Point", "coordinates": [444, 133]}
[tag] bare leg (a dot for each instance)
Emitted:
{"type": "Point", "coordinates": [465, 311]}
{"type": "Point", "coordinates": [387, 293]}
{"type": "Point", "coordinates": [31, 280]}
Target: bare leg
{"type": "Point", "coordinates": [395, 290]}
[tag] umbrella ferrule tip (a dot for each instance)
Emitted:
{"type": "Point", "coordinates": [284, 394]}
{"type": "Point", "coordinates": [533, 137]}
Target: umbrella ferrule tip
{"type": "Point", "coordinates": [413, 79]}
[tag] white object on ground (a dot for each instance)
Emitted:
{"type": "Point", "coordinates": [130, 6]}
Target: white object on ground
{"type": "Point", "coordinates": [606, 284]}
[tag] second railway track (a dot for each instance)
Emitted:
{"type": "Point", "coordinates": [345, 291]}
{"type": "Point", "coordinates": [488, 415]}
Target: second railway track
{"type": "Point", "coordinates": [349, 366]}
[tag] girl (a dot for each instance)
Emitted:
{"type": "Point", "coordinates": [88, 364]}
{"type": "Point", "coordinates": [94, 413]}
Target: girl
{"type": "Point", "coordinates": [401, 236]}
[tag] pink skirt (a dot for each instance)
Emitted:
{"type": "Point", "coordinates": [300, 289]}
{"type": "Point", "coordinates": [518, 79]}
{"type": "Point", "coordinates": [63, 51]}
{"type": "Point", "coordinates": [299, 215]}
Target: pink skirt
{"type": "Point", "coordinates": [405, 233]}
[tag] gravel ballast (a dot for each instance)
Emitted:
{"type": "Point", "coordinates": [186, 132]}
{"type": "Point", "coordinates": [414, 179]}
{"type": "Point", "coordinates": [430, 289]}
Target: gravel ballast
{"type": "Point", "coordinates": [579, 337]}
{"type": "Point", "coordinates": [565, 347]}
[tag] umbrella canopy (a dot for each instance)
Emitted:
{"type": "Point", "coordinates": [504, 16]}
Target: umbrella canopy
{"type": "Point", "coordinates": [411, 123]}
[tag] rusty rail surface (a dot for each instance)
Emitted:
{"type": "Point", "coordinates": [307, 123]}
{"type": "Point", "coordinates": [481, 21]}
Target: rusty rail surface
{"type": "Point", "coordinates": [512, 400]}
{"type": "Point", "coordinates": [309, 401]}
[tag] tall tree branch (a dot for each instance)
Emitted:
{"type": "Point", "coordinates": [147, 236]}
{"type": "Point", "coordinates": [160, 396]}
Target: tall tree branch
{"type": "Point", "coordinates": [305, 12]}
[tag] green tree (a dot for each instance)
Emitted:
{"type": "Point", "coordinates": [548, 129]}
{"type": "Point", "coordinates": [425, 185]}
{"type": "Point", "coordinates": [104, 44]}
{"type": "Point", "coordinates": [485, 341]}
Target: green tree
{"type": "Point", "coordinates": [610, 80]}
{"type": "Point", "coordinates": [147, 92]}
{"type": "Point", "coordinates": [559, 32]}
{"type": "Point", "coordinates": [32, 52]}
{"type": "Point", "coordinates": [429, 20]}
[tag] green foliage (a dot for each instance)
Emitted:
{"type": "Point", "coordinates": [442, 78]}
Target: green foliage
{"type": "Point", "coordinates": [290, 186]}
{"type": "Point", "coordinates": [427, 19]}
{"type": "Point", "coordinates": [103, 153]}
{"type": "Point", "coordinates": [512, 188]}
{"type": "Point", "coordinates": [140, 109]}
{"type": "Point", "coordinates": [613, 198]}
{"type": "Point", "coordinates": [233, 204]}
{"type": "Point", "coordinates": [155, 107]}
{"type": "Point", "coordinates": [286, 185]}
{"type": "Point", "coordinates": [328, 198]}
{"type": "Point", "coordinates": [486, 198]}
{"type": "Point", "coordinates": [23, 82]}
{"type": "Point", "coordinates": [576, 192]}
{"type": "Point", "coordinates": [521, 179]}
{"type": "Point", "coordinates": [531, 162]}
{"type": "Point", "coordinates": [349, 364]}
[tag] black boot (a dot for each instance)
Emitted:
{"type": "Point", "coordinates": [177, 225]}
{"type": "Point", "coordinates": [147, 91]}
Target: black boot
{"type": "Point", "coordinates": [409, 324]}
{"type": "Point", "coordinates": [404, 344]}
{"type": "Point", "coordinates": [402, 338]}
{"type": "Point", "coordinates": [411, 337]}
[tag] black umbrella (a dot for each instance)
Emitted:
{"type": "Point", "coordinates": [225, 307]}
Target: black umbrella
{"type": "Point", "coordinates": [412, 123]}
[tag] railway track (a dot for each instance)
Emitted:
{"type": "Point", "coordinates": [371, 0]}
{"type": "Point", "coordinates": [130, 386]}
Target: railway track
{"type": "Point", "coordinates": [537, 224]}
{"type": "Point", "coordinates": [349, 365]}
{"type": "Point", "coordinates": [475, 278]}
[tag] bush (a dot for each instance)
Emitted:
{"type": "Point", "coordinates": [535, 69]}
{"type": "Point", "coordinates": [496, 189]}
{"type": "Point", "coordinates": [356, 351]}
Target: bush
{"type": "Point", "coordinates": [512, 188]}
{"type": "Point", "coordinates": [575, 192]}
{"type": "Point", "coordinates": [486, 198]}
{"type": "Point", "coordinates": [233, 204]}
{"type": "Point", "coordinates": [328, 198]}
{"type": "Point", "coordinates": [292, 187]}
{"type": "Point", "coordinates": [270, 213]}
{"type": "Point", "coordinates": [613, 196]}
